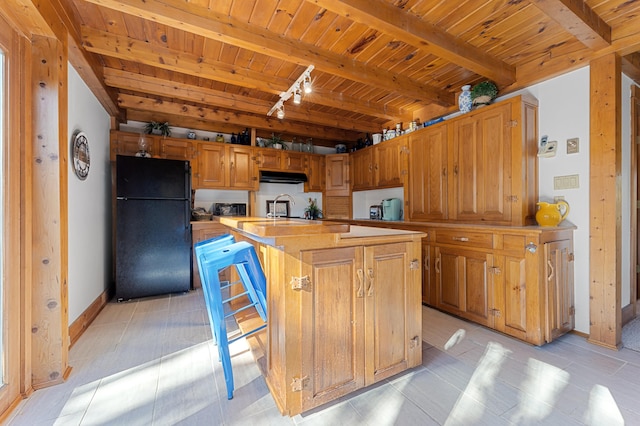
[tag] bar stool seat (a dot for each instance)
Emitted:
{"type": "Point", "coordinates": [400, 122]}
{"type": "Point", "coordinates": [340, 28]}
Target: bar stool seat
{"type": "Point", "coordinates": [213, 258]}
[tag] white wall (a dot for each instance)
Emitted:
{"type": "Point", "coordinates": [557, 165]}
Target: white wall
{"type": "Point", "coordinates": [89, 201]}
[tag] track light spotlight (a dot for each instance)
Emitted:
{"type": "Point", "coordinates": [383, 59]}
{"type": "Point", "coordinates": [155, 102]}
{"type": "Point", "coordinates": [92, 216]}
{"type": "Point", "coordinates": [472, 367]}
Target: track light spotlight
{"type": "Point", "coordinates": [297, 97]}
{"type": "Point", "coordinates": [280, 113]}
{"type": "Point", "coordinates": [307, 84]}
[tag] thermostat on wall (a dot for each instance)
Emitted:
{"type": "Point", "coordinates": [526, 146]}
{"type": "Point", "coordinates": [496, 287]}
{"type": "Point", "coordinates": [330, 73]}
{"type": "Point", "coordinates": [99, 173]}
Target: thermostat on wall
{"type": "Point", "coordinates": [547, 148]}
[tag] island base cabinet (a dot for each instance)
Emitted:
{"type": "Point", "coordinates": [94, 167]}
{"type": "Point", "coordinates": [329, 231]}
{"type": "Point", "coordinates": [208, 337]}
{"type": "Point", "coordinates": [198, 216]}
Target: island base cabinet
{"type": "Point", "coordinates": [341, 319]}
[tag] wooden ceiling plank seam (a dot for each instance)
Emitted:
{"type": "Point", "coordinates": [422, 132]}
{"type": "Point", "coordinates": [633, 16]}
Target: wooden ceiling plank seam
{"type": "Point", "coordinates": [413, 30]}
{"type": "Point", "coordinates": [577, 18]}
{"type": "Point", "coordinates": [242, 35]}
{"type": "Point", "coordinates": [161, 87]}
{"type": "Point", "coordinates": [281, 19]}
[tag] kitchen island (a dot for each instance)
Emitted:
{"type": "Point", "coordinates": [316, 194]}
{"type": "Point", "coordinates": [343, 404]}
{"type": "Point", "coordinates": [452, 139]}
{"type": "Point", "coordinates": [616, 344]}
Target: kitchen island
{"type": "Point", "coordinates": [344, 306]}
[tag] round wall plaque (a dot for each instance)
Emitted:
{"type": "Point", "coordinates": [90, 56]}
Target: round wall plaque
{"type": "Point", "coordinates": [80, 154]}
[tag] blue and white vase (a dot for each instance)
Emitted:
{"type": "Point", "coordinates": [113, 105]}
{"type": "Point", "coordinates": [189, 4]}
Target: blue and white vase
{"type": "Point", "coordinates": [464, 100]}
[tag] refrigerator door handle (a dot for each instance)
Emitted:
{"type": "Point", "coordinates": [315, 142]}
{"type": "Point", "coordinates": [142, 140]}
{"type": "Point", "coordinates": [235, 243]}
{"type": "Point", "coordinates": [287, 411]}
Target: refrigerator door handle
{"type": "Point", "coordinates": [187, 215]}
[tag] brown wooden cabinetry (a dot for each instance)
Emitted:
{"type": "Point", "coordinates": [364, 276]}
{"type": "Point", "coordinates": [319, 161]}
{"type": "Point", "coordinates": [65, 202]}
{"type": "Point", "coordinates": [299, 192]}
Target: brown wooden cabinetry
{"type": "Point", "coordinates": [337, 175]}
{"type": "Point", "coordinates": [428, 166]}
{"type": "Point", "coordinates": [517, 281]}
{"type": "Point", "coordinates": [224, 166]}
{"type": "Point", "coordinates": [293, 161]}
{"type": "Point", "coordinates": [480, 167]}
{"type": "Point", "coordinates": [362, 298]}
{"type": "Point", "coordinates": [176, 149]}
{"type": "Point", "coordinates": [380, 166]}
{"type": "Point", "coordinates": [269, 158]}
{"type": "Point", "coordinates": [315, 173]}
{"type": "Point", "coordinates": [362, 175]}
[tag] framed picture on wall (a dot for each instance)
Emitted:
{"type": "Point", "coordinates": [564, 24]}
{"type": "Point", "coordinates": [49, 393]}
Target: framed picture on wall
{"type": "Point", "coordinates": [282, 208]}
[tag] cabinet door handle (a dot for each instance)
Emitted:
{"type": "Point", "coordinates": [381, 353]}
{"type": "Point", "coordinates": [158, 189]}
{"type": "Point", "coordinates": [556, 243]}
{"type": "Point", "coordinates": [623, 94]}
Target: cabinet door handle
{"type": "Point", "coordinates": [444, 171]}
{"type": "Point", "coordinates": [288, 161]}
{"type": "Point", "coordinates": [359, 292]}
{"type": "Point", "coordinates": [552, 270]}
{"type": "Point", "coordinates": [231, 165]}
{"type": "Point", "coordinates": [426, 262]}
{"type": "Point", "coordinates": [437, 264]}
{"type": "Point", "coordinates": [463, 239]}
{"type": "Point", "coordinates": [455, 170]}
{"type": "Point", "coordinates": [370, 289]}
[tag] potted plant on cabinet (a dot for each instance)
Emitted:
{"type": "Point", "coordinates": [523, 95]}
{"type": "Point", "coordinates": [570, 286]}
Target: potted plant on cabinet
{"type": "Point", "coordinates": [312, 211]}
{"type": "Point", "coordinates": [275, 141]}
{"type": "Point", "coordinates": [483, 93]}
{"type": "Point", "coordinates": [157, 128]}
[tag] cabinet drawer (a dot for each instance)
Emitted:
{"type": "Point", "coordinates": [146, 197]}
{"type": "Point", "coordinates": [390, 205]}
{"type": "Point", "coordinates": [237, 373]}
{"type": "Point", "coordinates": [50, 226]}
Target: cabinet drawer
{"type": "Point", "coordinates": [464, 238]}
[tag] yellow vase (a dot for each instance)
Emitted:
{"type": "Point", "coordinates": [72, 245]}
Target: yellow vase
{"type": "Point", "coordinates": [550, 214]}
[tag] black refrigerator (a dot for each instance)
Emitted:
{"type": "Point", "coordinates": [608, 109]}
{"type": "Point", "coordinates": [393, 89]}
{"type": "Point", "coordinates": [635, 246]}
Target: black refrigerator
{"type": "Point", "coordinates": [153, 230]}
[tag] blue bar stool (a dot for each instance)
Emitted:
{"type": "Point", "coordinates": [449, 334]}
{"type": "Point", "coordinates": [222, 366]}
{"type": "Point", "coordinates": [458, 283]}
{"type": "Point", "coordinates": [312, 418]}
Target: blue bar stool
{"type": "Point", "coordinates": [202, 247]}
{"type": "Point", "coordinates": [213, 259]}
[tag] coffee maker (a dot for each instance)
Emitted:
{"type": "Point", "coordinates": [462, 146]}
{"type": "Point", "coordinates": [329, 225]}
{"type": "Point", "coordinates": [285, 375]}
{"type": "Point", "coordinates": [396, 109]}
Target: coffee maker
{"type": "Point", "coordinates": [391, 209]}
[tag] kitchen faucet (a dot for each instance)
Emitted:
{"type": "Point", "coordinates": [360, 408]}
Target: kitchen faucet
{"type": "Point", "coordinates": [273, 212]}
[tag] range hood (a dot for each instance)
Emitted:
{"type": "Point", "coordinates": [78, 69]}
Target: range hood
{"type": "Point", "coordinates": [282, 177]}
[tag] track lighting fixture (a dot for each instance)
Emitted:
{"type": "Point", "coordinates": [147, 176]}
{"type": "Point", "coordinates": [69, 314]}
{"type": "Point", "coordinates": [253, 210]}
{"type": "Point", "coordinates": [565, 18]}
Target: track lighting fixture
{"type": "Point", "coordinates": [302, 83]}
{"type": "Point", "coordinates": [307, 84]}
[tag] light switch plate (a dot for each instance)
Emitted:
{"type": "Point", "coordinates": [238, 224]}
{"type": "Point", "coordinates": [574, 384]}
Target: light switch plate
{"type": "Point", "coordinates": [573, 146]}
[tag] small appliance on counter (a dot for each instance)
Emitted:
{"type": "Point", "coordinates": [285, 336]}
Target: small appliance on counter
{"type": "Point", "coordinates": [392, 209]}
{"type": "Point", "coordinates": [229, 209]}
{"type": "Point", "coordinates": [375, 212]}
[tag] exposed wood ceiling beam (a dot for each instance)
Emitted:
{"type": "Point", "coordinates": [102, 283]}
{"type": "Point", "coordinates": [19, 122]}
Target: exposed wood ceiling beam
{"type": "Point", "coordinates": [631, 66]}
{"type": "Point", "coordinates": [216, 98]}
{"type": "Point", "coordinates": [577, 18]}
{"type": "Point", "coordinates": [198, 20]}
{"type": "Point", "coordinates": [393, 20]}
{"type": "Point", "coordinates": [150, 54]}
{"type": "Point", "coordinates": [230, 117]}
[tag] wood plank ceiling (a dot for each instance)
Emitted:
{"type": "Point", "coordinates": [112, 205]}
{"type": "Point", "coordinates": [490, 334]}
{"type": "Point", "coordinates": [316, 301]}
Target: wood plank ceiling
{"type": "Point", "coordinates": [221, 65]}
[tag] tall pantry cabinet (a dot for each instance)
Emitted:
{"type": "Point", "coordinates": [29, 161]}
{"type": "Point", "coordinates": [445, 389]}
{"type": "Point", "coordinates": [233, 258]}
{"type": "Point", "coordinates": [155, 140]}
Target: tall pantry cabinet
{"type": "Point", "coordinates": [479, 167]}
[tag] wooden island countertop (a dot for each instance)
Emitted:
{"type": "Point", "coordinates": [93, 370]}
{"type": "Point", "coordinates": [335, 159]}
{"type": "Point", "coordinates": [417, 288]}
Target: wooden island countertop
{"type": "Point", "coordinates": [343, 306]}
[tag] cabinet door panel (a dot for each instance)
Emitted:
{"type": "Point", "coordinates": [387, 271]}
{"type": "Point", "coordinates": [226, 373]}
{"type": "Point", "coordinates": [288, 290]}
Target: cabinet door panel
{"type": "Point", "coordinates": [337, 179]}
{"type": "Point", "coordinates": [294, 161]}
{"type": "Point", "coordinates": [212, 167]}
{"type": "Point", "coordinates": [387, 164]}
{"type": "Point", "coordinates": [362, 166]}
{"type": "Point", "coordinates": [482, 166]}
{"type": "Point", "coordinates": [449, 274]}
{"type": "Point", "coordinates": [428, 156]}
{"type": "Point", "coordinates": [315, 174]}
{"type": "Point", "coordinates": [510, 295]}
{"type": "Point", "coordinates": [332, 317]}
{"type": "Point", "coordinates": [176, 149]}
{"type": "Point", "coordinates": [476, 288]}
{"type": "Point", "coordinates": [386, 268]}
{"type": "Point", "coordinates": [241, 169]}
{"type": "Point", "coordinates": [559, 281]}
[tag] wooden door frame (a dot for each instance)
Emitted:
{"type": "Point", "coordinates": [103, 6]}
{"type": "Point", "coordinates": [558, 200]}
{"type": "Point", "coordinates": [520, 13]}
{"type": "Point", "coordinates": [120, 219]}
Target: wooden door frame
{"type": "Point", "coordinates": [635, 113]}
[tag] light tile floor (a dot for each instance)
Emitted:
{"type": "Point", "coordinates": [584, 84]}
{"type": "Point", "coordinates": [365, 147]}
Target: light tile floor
{"type": "Point", "coordinates": [149, 362]}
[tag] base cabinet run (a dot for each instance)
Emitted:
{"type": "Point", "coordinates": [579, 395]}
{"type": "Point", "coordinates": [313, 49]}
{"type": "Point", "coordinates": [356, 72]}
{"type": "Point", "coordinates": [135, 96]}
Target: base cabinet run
{"type": "Point", "coordinates": [512, 280]}
{"type": "Point", "coordinates": [341, 319]}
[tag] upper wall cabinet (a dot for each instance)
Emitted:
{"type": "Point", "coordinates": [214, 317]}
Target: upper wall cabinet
{"type": "Point", "coordinates": [337, 175]}
{"type": "Point", "coordinates": [480, 167]}
{"type": "Point", "coordinates": [225, 166]}
{"type": "Point", "coordinates": [380, 166]}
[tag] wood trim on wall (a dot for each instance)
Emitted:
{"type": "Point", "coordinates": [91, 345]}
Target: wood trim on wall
{"type": "Point", "coordinates": [80, 325]}
{"type": "Point", "coordinates": [605, 206]}
{"type": "Point", "coordinates": [49, 326]}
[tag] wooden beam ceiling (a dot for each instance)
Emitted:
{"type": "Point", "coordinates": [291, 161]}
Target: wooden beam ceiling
{"type": "Point", "coordinates": [216, 98]}
{"type": "Point", "coordinates": [576, 17]}
{"type": "Point", "coordinates": [198, 20]}
{"type": "Point", "coordinates": [226, 116]}
{"type": "Point", "coordinates": [428, 38]}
